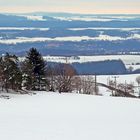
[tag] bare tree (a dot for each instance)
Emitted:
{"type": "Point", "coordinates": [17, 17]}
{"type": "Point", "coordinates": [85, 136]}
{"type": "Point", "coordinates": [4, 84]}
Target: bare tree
{"type": "Point", "coordinates": [126, 87]}
{"type": "Point", "coordinates": [77, 84]}
{"type": "Point", "coordinates": [51, 77]}
{"type": "Point", "coordinates": [130, 69]}
{"type": "Point", "coordinates": [112, 84]}
{"type": "Point", "coordinates": [138, 82]}
{"type": "Point", "coordinates": [64, 77]}
{"type": "Point", "coordinates": [88, 85]}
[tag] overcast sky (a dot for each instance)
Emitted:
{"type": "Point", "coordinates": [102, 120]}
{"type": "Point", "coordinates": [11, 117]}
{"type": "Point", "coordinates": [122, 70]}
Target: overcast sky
{"type": "Point", "coordinates": [74, 6]}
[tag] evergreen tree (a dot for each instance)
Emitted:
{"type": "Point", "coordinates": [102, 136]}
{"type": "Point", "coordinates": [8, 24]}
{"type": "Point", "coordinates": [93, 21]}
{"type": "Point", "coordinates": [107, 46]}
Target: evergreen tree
{"type": "Point", "coordinates": [34, 70]}
{"type": "Point", "coordinates": [11, 76]}
{"type": "Point", "coordinates": [1, 73]}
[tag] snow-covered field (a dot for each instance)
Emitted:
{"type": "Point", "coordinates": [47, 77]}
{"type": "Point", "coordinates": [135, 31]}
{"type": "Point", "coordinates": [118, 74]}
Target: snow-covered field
{"type": "Point", "coordinates": [70, 116]}
{"type": "Point", "coordinates": [53, 116]}
{"type": "Point", "coordinates": [101, 37]}
{"type": "Point", "coordinates": [128, 60]}
{"type": "Point", "coordinates": [96, 18]}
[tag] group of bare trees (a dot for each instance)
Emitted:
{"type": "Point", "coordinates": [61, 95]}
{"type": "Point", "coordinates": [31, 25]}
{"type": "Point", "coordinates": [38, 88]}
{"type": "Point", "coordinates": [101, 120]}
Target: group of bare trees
{"type": "Point", "coordinates": [60, 77]}
{"type": "Point", "coordinates": [89, 86]}
{"type": "Point", "coordinates": [122, 86]}
{"type": "Point", "coordinates": [138, 82]}
{"type": "Point", "coordinates": [125, 87]}
{"type": "Point", "coordinates": [64, 78]}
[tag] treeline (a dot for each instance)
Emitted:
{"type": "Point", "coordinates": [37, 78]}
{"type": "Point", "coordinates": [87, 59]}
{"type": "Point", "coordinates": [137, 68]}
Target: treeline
{"type": "Point", "coordinates": [107, 67]}
{"type": "Point", "coordinates": [35, 74]}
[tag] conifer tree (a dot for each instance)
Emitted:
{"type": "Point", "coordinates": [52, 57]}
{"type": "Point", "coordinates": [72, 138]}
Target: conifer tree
{"type": "Point", "coordinates": [34, 70]}
{"type": "Point", "coordinates": [11, 76]}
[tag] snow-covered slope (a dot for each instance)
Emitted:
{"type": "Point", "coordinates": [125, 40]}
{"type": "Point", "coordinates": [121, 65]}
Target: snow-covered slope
{"type": "Point", "coordinates": [128, 60]}
{"type": "Point", "coordinates": [52, 116]}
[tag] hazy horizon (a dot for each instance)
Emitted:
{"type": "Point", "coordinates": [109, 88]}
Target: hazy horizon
{"type": "Point", "coordinates": [73, 6]}
{"type": "Point", "coordinates": [65, 12]}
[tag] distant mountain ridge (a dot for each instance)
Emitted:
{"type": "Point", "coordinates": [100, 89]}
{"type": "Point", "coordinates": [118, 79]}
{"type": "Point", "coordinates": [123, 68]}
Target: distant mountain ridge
{"type": "Point", "coordinates": [68, 33]}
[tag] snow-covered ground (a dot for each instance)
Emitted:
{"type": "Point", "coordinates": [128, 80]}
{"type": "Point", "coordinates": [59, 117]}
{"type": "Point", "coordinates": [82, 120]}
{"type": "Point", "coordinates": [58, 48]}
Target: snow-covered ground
{"type": "Point", "coordinates": [53, 116]}
{"type": "Point", "coordinates": [129, 60]}
{"type": "Point", "coordinates": [96, 18]}
{"type": "Point", "coordinates": [22, 28]}
{"type": "Point", "coordinates": [70, 116]}
{"type": "Point", "coordinates": [101, 37]}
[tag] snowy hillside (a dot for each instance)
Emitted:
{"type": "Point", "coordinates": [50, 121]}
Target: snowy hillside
{"type": "Point", "coordinates": [69, 34]}
{"type": "Point", "coordinates": [128, 60]}
{"type": "Point", "coordinates": [52, 116]}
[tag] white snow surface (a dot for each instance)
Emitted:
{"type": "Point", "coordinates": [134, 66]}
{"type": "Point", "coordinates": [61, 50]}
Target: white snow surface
{"type": "Point", "coordinates": [34, 17]}
{"type": "Point", "coordinates": [101, 28]}
{"type": "Point", "coordinates": [23, 28]}
{"type": "Point", "coordinates": [53, 116]}
{"type": "Point", "coordinates": [84, 19]}
{"type": "Point", "coordinates": [97, 18]}
{"type": "Point", "coordinates": [101, 37]}
{"type": "Point", "coordinates": [128, 60]}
